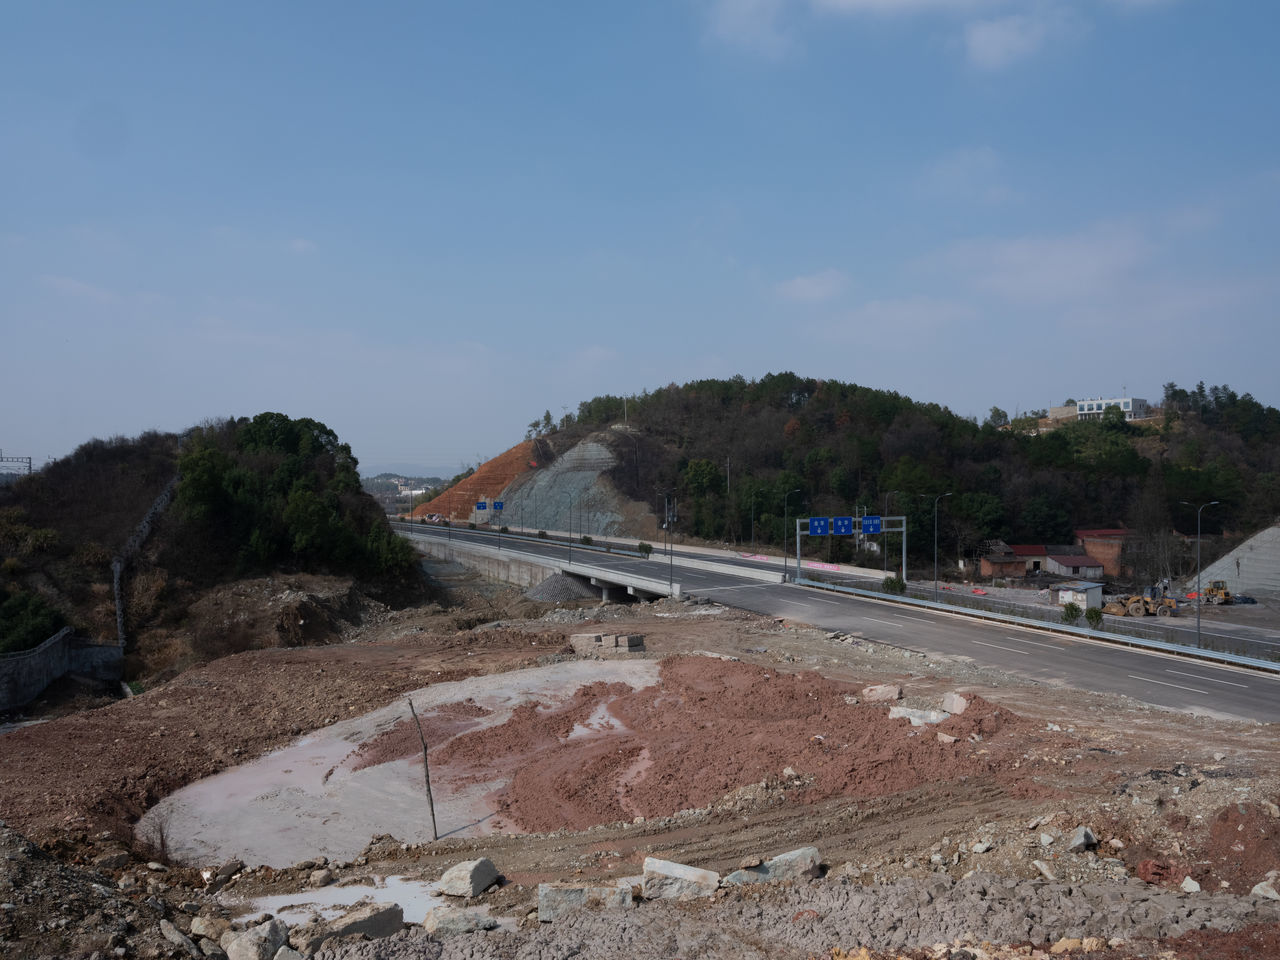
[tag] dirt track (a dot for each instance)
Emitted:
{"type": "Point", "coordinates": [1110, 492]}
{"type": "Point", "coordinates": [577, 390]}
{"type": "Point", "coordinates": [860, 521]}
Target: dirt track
{"type": "Point", "coordinates": [724, 761]}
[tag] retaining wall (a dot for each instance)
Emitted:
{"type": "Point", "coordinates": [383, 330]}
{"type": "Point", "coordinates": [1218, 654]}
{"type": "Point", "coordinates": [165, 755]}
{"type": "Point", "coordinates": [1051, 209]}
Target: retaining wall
{"type": "Point", "coordinates": [23, 676]}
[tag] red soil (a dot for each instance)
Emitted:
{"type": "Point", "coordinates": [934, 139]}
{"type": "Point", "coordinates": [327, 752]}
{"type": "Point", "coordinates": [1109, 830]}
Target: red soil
{"type": "Point", "coordinates": [709, 727]}
{"type": "Point", "coordinates": [489, 480]}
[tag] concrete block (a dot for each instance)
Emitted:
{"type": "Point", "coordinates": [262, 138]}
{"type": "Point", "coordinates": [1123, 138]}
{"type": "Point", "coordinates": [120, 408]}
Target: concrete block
{"type": "Point", "coordinates": [447, 921]}
{"type": "Point", "coordinates": [373, 920]}
{"type": "Point", "coordinates": [469, 878]}
{"type": "Point", "coordinates": [879, 692]}
{"type": "Point", "coordinates": [803, 863]}
{"type": "Point", "coordinates": [955, 703]}
{"type": "Point", "coordinates": [258, 943]}
{"type": "Point", "coordinates": [666, 880]}
{"type": "Point", "coordinates": [918, 718]}
{"type": "Point", "coordinates": [586, 644]}
{"type": "Point", "coordinates": [1082, 839]}
{"type": "Point", "coordinates": [557, 899]}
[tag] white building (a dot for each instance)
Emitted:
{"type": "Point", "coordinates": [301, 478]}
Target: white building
{"type": "Point", "coordinates": [1135, 408]}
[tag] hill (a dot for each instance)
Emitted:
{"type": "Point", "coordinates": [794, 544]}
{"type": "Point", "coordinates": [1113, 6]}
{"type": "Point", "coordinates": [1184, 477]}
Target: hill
{"type": "Point", "coordinates": [739, 455]}
{"type": "Point", "coordinates": [255, 496]}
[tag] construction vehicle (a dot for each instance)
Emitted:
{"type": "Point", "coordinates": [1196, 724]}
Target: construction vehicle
{"type": "Point", "coordinates": [1217, 592]}
{"type": "Point", "coordinates": [1153, 601]}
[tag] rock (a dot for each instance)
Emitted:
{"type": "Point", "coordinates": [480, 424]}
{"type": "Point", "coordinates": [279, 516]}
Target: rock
{"type": "Point", "coordinates": [946, 737]}
{"type": "Point", "coordinates": [447, 921]}
{"type": "Point", "coordinates": [258, 943]}
{"type": "Point", "coordinates": [557, 899]}
{"type": "Point", "coordinates": [1189, 886]}
{"type": "Point", "coordinates": [229, 869]}
{"type": "Point", "coordinates": [212, 950]}
{"type": "Point", "coordinates": [1045, 871]}
{"type": "Point", "coordinates": [982, 846]}
{"type": "Point", "coordinates": [1115, 843]}
{"type": "Point", "coordinates": [469, 878]}
{"type": "Point", "coordinates": [179, 939]}
{"type": "Point", "coordinates": [287, 953]}
{"type": "Point", "coordinates": [747, 862]}
{"type": "Point", "coordinates": [918, 718]}
{"type": "Point", "coordinates": [1082, 838]}
{"type": "Point", "coordinates": [795, 865]}
{"type": "Point", "coordinates": [1046, 839]}
{"type": "Point", "coordinates": [210, 927]}
{"type": "Point", "coordinates": [665, 880]}
{"type": "Point", "coordinates": [1067, 945]}
{"type": "Point", "coordinates": [112, 860]}
{"type": "Point", "coordinates": [1219, 757]}
{"type": "Point", "coordinates": [373, 920]}
{"type": "Point", "coordinates": [880, 692]}
{"type": "Point", "coordinates": [1266, 889]}
{"type": "Point", "coordinates": [955, 703]}
{"type": "Point", "coordinates": [320, 878]}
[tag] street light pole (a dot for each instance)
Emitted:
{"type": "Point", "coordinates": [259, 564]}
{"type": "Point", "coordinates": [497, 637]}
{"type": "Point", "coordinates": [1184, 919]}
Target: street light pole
{"type": "Point", "coordinates": [785, 514]}
{"type": "Point", "coordinates": [935, 541]}
{"type": "Point", "coordinates": [753, 520]}
{"type": "Point", "coordinates": [884, 537]}
{"type": "Point", "coordinates": [1199, 592]}
{"type": "Point", "coordinates": [571, 529]}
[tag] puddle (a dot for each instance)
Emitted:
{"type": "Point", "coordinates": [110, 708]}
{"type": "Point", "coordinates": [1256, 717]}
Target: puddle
{"type": "Point", "coordinates": [303, 801]}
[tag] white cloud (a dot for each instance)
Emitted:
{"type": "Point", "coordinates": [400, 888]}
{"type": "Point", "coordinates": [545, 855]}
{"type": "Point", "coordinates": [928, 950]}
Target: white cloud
{"type": "Point", "coordinates": [995, 44]}
{"type": "Point", "coordinates": [752, 25]}
{"type": "Point", "coordinates": [876, 320]}
{"type": "Point", "coordinates": [968, 174]}
{"type": "Point", "coordinates": [814, 287]}
{"type": "Point", "coordinates": [78, 289]}
{"type": "Point", "coordinates": [1053, 269]}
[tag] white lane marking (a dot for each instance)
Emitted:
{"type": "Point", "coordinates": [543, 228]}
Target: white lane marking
{"type": "Point", "coordinates": [920, 619]}
{"type": "Point", "coordinates": [1034, 643]}
{"type": "Point", "coordinates": [794, 603]}
{"type": "Point", "coordinates": [1025, 653]}
{"type": "Point", "coordinates": [1197, 676]}
{"type": "Point", "coordinates": [887, 623]}
{"type": "Point", "coordinates": [823, 600]}
{"type": "Point", "coordinates": [1165, 684]}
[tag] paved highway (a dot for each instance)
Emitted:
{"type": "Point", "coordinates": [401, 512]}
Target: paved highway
{"type": "Point", "coordinates": [1040, 655]}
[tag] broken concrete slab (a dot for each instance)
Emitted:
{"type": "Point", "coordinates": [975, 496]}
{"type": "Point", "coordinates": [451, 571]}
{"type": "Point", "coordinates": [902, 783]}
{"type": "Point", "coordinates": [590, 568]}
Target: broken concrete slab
{"type": "Point", "coordinates": [880, 692]}
{"type": "Point", "coordinates": [469, 878]}
{"type": "Point", "coordinates": [1082, 838]}
{"type": "Point", "coordinates": [445, 921]}
{"type": "Point", "coordinates": [955, 703]}
{"type": "Point", "coordinates": [557, 899]}
{"type": "Point", "coordinates": [918, 718]}
{"type": "Point", "coordinates": [803, 863]}
{"type": "Point", "coordinates": [666, 880]}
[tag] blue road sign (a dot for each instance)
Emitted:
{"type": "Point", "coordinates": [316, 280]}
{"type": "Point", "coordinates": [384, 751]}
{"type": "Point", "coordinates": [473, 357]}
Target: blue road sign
{"type": "Point", "coordinates": [818, 526]}
{"type": "Point", "coordinates": [843, 526]}
{"type": "Point", "coordinates": [870, 524]}
{"type": "Point", "coordinates": [481, 505]}
{"type": "Point", "coordinates": [497, 505]}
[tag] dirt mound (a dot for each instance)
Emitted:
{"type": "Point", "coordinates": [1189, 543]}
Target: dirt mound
{"type": "Point", "coordinates": [489, 480]}
{"type": "Point", "coordinates": [710, 727]}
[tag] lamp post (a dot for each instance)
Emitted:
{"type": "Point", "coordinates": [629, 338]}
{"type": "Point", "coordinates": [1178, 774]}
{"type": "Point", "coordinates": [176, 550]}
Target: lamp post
{"type": "Point", "coordinates": [1199, 596]}
{"type": "Point", "coordinates": [884, 537]}
{"type": "Point", "coordinates": [785, 504]}
{"type": "Point", "coordinates": [935, 540]}
{"type": "Point", "coordinates": [753, 520]}
{"type": "Point", "coordinates": [571, 529]}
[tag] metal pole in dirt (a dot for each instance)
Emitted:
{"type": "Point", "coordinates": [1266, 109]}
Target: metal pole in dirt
{"type": "Point", "coordinates": [426, 772]}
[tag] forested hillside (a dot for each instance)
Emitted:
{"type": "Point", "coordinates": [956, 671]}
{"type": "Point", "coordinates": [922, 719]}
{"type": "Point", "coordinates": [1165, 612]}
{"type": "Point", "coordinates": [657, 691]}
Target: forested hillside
{"type": "Point", "coordinates": [723, 446]}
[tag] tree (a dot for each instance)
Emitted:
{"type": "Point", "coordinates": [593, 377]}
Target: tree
{"type": "Point", "coordinates": [997, 418]}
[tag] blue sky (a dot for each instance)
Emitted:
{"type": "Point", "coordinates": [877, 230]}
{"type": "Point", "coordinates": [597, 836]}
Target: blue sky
{"type": "Point", "coordinates": [424, 224]}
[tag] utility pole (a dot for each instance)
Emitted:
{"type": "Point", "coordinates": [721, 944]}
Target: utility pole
{"type": "Point", "coordinates": [1199, 593]}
